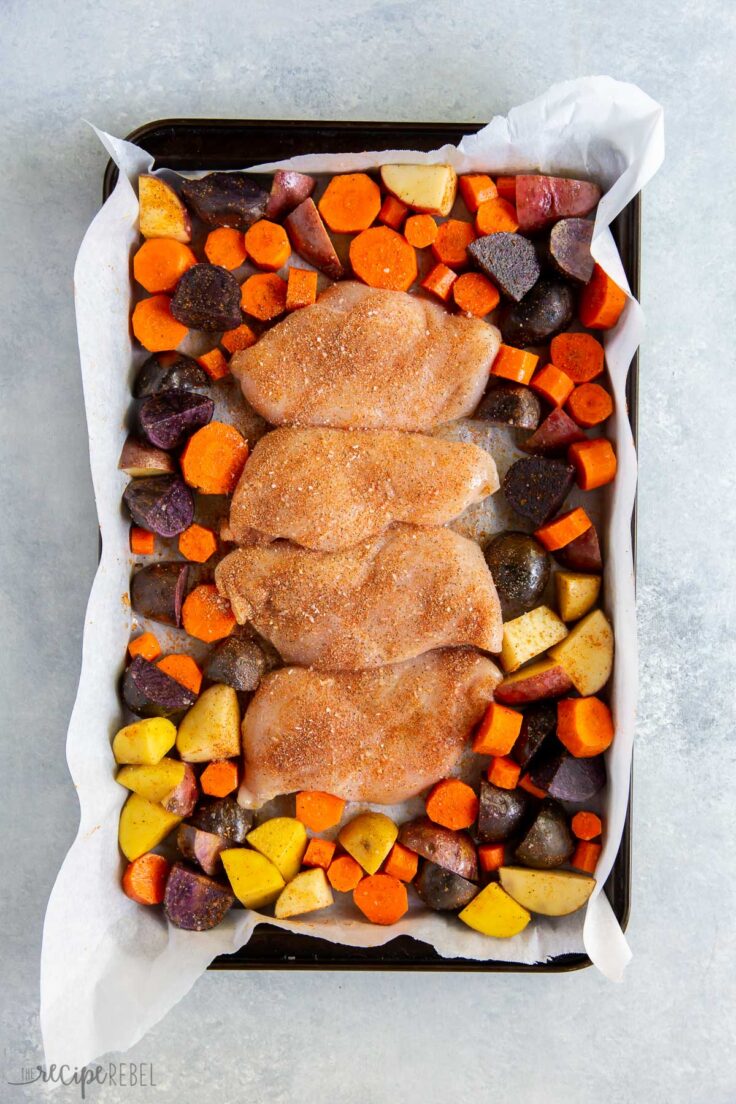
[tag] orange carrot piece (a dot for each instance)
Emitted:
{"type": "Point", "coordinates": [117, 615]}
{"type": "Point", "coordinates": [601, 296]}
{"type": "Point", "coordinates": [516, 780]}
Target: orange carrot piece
{"type": "Point", "coordinates": [384, 259]}
{"type": "Point", "coordinates": [476, 188]}
{"type": "Point", "coordinates": [420, 230]}
{"type": "Point", "coordinates": [242, 337]}
{"type": "Point", "coordinates": [579, 355]}
{"type": "Point", "coordinates": [301, 290]}
{"type": "Point", "coordinates": [514, 364]}
{"type": "Point", "coordinates": [553, 385]}
{"type": "Point", "coordinates": [491, 856]}
{"type": "Point", "coordinates": [350, 203]}
{"type": "Point", "coordinates": [344, 873]}
{"type": "Point", "coordinates": [197, 543]}
{"type": "Point", "coordinates": [160, 263]}
{"type": "Point", "coordinates": [586, 825]}
{"type": "Point", "coordinates": [213, 458]}
{"type": "Point", "coordinates": [401, 863]}
{"type": "Point", "coordinates": [506, 186]}
{"type": "Point", "coordinates": [475, 294]}
{"type": "Point", "coordinates": [439, 281]}
{"type": "Point", "coordinates": [225, 246]}
{"type": "Point", "coordinates": [142, 541]}
{"type": "Point", "coordinates": [381, 898]}
{"type": "Point", "coordinates": [563, 529]}
{"type": "Point", "coordinates": [495, 216]}
{"type": "Point", "coordinates": [320, 852]}
{"type": "Point", "coordinates": [219, 778]}
{"type": "Point", "coordinates": [595, 463]}
{"type": "Point", "coordinates": [155, 326]}
{"type": "Point", "coordinates": [144, 880]}
{"type": "Point", "coordinates": [319, 811]}
{"type": "Point", "coordinates": [590, 404]}
{"type": "Point", "coordinates": [214, 364]}
{"type": "Point", "coordinates": [504, 772]}
{"type": "Point", "coordinates": [263, 296]}
{"type": "Point", "coordinates": [452, 804]}
{"type": "Point", "coordinates": [526, 784]}
{"type": "Point", "coordinates": [586, 856]}
{"type": "Point", "coordinates": [267, 245]}
{"type": "Point", "coordinates": [584, 726]}
{"type": "Point", "coordinates": [601, 301]}
{"type": "Point", "coordinates": [183, 669]}
{"type": "Point", "coordinates": [498, 731]}
{"type": "Point", "coordinates": [206, 615]}
{"type": "Point", "coordinates": [393, 212]}
{"type": "Point", "coordinates": [450, 247]}
{"type": "Point", "coordinates": [146, 645]}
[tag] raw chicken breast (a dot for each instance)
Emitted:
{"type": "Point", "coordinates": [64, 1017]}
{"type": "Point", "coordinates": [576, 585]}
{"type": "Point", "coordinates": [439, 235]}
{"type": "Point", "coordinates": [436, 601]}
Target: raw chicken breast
{"type": "Point", "coordinates": [367, 358]}
{"type": "Point", "coordinates": [332, 488]}
{"type": "Point", "coordinates": [405, 593]}
{"type": "Point", "coordinates": [380, 736]}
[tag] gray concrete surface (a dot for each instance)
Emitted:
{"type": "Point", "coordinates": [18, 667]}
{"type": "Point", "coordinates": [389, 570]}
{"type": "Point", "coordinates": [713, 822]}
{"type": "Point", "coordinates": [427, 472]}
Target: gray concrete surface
{"type": "Point", "coordinates": [666, 1034]}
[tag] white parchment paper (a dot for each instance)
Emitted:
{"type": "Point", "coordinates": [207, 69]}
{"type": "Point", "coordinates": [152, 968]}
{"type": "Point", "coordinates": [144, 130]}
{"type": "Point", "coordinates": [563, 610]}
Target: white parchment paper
{"type": "Point", "coordinates": [111, 969]}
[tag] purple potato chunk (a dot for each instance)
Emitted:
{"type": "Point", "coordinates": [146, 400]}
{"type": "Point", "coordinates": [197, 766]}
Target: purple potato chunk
{"type": "Point", "coordinates": [238, 663]}
{"type": "Point", "coordinates": [207, 297]}
{"type": "Point", "coordinates": [226, 199]}
{"type": "Point", "coordinates": [451, 850]}
{"type": "Point", "coordinates": [548, 842]}
{"type": "Point", "coordinates": [161, 503]}
{"type": "Point", "coordinates": [511, 404]}
{"type": "Point", "coordinates": [149, 692]}
{"type": "Point", "coordinates": [520, 569]}
{"type": "Point", "coordinates": [442, 890]}
{"type": "Point", "coordinates": [224, 818]}
{"type": "Point", "coordinates": [556, 433]}
{"type": "Point", "coordinates": [547, 310]}
{"type": "Point", "coordinates": [569, 249]}
{"type": "Point", "coordinates": [201, 847]}
{"type": "Point", "coordinates": [193, 901]}
{"type": "Point", "coordinates": [510, 260]}
{"type": "Point", "coordinates": [311, 241]}
{"type": "Point", "coordinates": [583, 553]}
{"type": "Point", "coordinates": [501, 812]}
{"type": "Point", "coordinates": [169, 372]}
{"type": "Point", "coordinates": [537, 487]}
{"type": "Point", "coordinates": [169, 417]}
{"type": "Point", "coordinates": [157, 592]}
{"type": "Point", "coordinates": [183, 799]}
{"type": "Point", "coordinates": [288, 190]}
{"type": "Point", "coordinates": [539, 723]}
{"type": "Point", "coordinates": [570, 779]}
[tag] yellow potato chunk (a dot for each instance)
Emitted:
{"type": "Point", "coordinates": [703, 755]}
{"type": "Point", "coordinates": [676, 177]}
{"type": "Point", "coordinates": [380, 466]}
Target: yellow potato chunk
{"type": "Point", "coordinates": [308, 892]}
{"type": "Point", "coordinates": [576, 594]}
{"type": "Point", "coordinates": [211, 728]}
{"type": "Point", "coordinates": [143, 824]}
{"type": "Point", "coordinates": [587, 653]}
{"type": "Point", "coordinates": [145, 742]}
{"type": "Point", "coordinates": [255, 881]}
{"type": "Point", "coordinates": [430, 188]}
{"type": "Point", "coordinates": [283, 840]}
{"type": "Point", "coordinates": [369, 837]}
{"type": "Point", "coordinates": [529, 635]}
{"type": "Point", "coordinates": [494, 913]}
{"type": "Point", "coordinates": [152, 782]}
{"type": "Point", "coordinates": [549, 892]}
{"type": "Point", "coordinates": [162, 213]}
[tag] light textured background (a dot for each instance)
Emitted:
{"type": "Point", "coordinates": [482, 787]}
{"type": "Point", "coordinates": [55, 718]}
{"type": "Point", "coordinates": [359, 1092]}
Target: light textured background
{"type": "Point", "coordinates": [666, 1034]}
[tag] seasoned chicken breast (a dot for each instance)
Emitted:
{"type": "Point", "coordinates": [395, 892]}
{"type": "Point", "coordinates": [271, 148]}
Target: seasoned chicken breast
{"type": "Point", "coordinates": [406, 592]}
{"type": "Point", "coordinates": [332, 488]}
{"type": "Point", "coordinates": [367, 358]}
{"type": "Point", "coordinates": [380, 736]}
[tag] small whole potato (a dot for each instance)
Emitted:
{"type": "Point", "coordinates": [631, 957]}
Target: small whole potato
{"type": "Point", "coordinates": [520, 569]}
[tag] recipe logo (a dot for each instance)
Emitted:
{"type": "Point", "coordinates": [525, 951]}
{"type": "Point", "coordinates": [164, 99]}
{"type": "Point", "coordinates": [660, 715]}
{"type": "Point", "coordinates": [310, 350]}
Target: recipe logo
{"type": "Point", "coordinates": [124, 1075]}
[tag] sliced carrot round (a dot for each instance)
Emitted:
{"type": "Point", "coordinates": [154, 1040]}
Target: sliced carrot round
{"type": "Point", "coordinates": [350, 203]}
{"type": "Point", "coordinates": [206, 615]}
{"type": "Point", "coordinates": [267, 245]}
{"type": "Point", "coordinates": [263, 296]}
{"type": "Point", "coordinates": [213, 458]}
{"type": "Point", "coordinates": [344, 873]}
{"type": "Point", "coordinates": [381, 898]}
{"type": "Point", "coordinates": [225, 246]}
{"type": "Point", "coordinates": [160, 263]}
{"type": "Point", "coordinates": [155, 326]}
{"type": "Point", "coordinates": [450, 247]}
{"type": "Point", "coordinates": [475, 294]}
{"type": "Point", "coordinates": [495, 216]}
{"type": "Point", "coordinates": [452, 803]}
{"type": "Point", "coordinates": [590, 404]}
{"type": "Point", "coordinates": [242, 337]}
{"type": "Point", "coordinates": [579, 355]}
{"type": "Point", "coordinates": [601, 301]}
{"type": "Point", "coordinates": [197, 543]}
{"type": "Point", "coordinates": [420, 230]}
{"type": "Point", "coordinates": [382, 258]}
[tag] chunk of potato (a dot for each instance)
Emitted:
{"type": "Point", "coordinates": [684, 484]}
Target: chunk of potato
{"type": "Point", "coordinates": [549, 892]}
{"type": "Point", "coordinates": [143, 824]}
{"type": "Point", "coordinates": [153, 782]}
{"type": "Point", "coordinates": [529, 635]}
{"type": "Point", "coordinates": [145, 742]}
{"type": "Point", "coordinates": [587, 653]}
{"type": "Point", "coordinates": [369, 837]}
{"type": "Point", "coordinates": [576, 594]}
{"type": "Point", "coordinates": [162, 214]}
{"type": "Point", "coordinates": [494, 913]}
{"type": "Point", "coordinates": [211, 728]}
{"type": "Point", "coordinates": [254, 879]}
{"type": "Point", "coordinates": [283, 840]}
{"type": "Point", "coordinates": [430, 188]}
{"type": "Point", "coordinates": [308, 892]}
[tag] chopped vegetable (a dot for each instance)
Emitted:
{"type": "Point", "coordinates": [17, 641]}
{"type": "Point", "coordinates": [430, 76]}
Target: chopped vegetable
{"type": "Point", "coordinates": [541, 200]}
{"type": "Point", "coordinates": [319, 811]}
{"type": "Point", "coordinates": [211, 728]}
{"type": "Point", "coordinates": [555, 435]}
{"type": "Point", "coordinates": [160, 263]}
{"type": "Point", "coordinates": [214, 364]}
{"type": "Point", "coordinates": [144, 742]}
{"type": "Point", "coordinates": [401, 863]}
{"type": "Point", "coordinates": [306, 892]}
{"type": "Point", "coordinates": [225, 818]}
{"type": "Point", "coordinates": [157, 592]}
{"type": "Point", "coordinates": [545, 679]}
{"type": "Point", "coordinates": [288, 190]}
{"type": "Point", "coordinates": [393, 212]}
{"type": "Point", "coordinates": [161, 213]}
{"type": "Point", "coordinates": [476, 188]}
{"type": "Point", "coordinates": [146, 645]}
{"type": "Point", "coordinates": [168, 417]}
{"type": "Point", "coordinates": [538, 726]}
{"type": "Point", "coordinates": [143, 825]}
{"type": "Point", "coordinates": [429, 188]}
{"type": "Point", "coordinates": [206, 615]}
{"type": "Point", "coordinates": [139, 459]}
{"type": "Point", "coordinates": [154, 781]}
{"type": "Point", "coordinates": [582, 554]}
{"type": "Point", "coordinates": [420, 231]}
{"type": "Point", "coordinates": [504, 772]}
{"type": "Point", "coordinates": [267, 245]}
{"type": "Point", "coordinates": [242, 337]}
{"type": "Point", "coordinates": [203, 848]}
{"type": "Point", "coordinates": [197, 543]}
{"type": "Point", "coordinates": [601, 301]}
{"type": "Point", "coordinates": [514, 364]}
{"type": "Point", "coordinates": [442, 890]}
{"type": "Point", "coordinates": [585, 856]}
{"type": "Point", "coordinates": [587, 653]}
{"type": "Point", "coordinates": [553, 385]}
{"type": "Point", "coordinates": [547, 309]}
{"type": "Point", "coordinates": [283, 840]}
{"type": "Point", "coordinates": [369, 837]}
{"type": "Point", "coordinates": [548, 842]}
{"type": "Point", "coordinates": [382, 258]}
{"type": "Point", "coordinates": [569, 249]}
{"type": "Point", "coordinates": [301, 289]}
{"type": "Point", "coordinates": [565, 528]}
{"type": "Point", "coordinates": [520, 569]}
{"type": "Point", "coordinates": [254, 879]}
{"type": "Point", "coordinates": [474, 293]}
{"type": "Point", "coordinates": [219, 778]}
{"type": "Point", "coordinates": [570, 779]}
{"type": "Point", "coordinates": [595, 463]}
{"type": "Point", "coordinates": [236, 662]}
{"type": "Point", "coordinates": [152, 693]}
{"type": "Point", "coordinates": [320, 852]}
{"type": "Point", "coordinates": [344, 873]}
{"type": "Point", "coordinates": [193, 901]}
{"type": "Point", "coordinates": [264, 296]}
{"type": "Point", "coordinates": [526, 784]}
{"type": "Point", "coordinates": [144, 880]}
{"type": "Point", "coordinates": [311, 240]}
{"type": "Point", "coordinates": [155, 326]}
{"type": "Point", "coordinates": [537, 487]}
{"type": "Point", "coordinates": [496, 216]}
{"type": "Point", "coordinates": [381, 898]}
{"type": "Point", "coordinates": [497, 733]}
{"type": "Point", "coordinates": [509, 260]}
{"type": "Point", "coordinates": [576, 594]}
{"type": "Point", "coordinates": [225, 247]}
{"type": "Point", "coordinates": [491, 856]}
{"type": "Point", "coordinates": [226, 199]}
{"type": "Point", "coordinates": [450, 247]}
{"type": "Point", "coordinates": [494, 913]}
{"type": "Point", "coordinates": [502, 812]}
{"type": "Point", "coordinates": [584, 726]}
{"type": "Point", "coordinates": [548, 892]}
{"type": "Point", "coordinates": [452, 803]}
{"type": "Point", "coordinates": [586, 825]}
{"type": "Point", "coordinates": [169, 371]}
{"type": "Point", "coordinates": [183, 669]}
{"type": "Point", "coordinates": [439, 281]}
{"type": "Point", "coordinates": [510, 404]}
{"type": "Point", "coordinates": [530, 634]}
{"type": "Point", "coordinates": [580, 356]}
{"type": "Point", "coordinates": [350, 203]}
{"type": "Point", "coordinates": [590, 404]}
{"type": "Point", "coordinates": [214, 458]}
{"type": "Point", "coordinates": [449, 849]}
{"type": "Point", "coordinates": [142, 541]}
{"type": "Point", "coordinates": [207, 298]}
{"type": "Point", "coordinates": [506, 187]}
